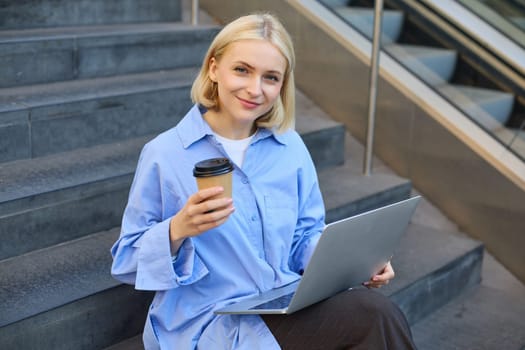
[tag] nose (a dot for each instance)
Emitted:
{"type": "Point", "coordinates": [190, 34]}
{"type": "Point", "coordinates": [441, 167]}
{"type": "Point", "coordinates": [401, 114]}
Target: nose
{"type": "Point", "coordinates": [254, 87]}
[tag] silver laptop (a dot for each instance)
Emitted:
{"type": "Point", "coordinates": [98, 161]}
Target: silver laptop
{"type": "Point", "coordinates": [349, 252]}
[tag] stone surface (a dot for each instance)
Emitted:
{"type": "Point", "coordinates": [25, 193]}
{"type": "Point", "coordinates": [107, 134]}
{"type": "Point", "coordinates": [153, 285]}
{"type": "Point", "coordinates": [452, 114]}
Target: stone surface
{"type": "Point", "coordinates": [46, 13]}
{"type": "Point", "coordinates": [43, 56]}
{"type": "Point", "coordinates": [482, 318]}
{"type": "Point", "coordinates": [64, 116]}
{"type": "Point", "coordinates": [432, 262]}
{"type": "Point", "coordinates": [46, 279]}
{"type": "Point", "coordinates": [94, 322]}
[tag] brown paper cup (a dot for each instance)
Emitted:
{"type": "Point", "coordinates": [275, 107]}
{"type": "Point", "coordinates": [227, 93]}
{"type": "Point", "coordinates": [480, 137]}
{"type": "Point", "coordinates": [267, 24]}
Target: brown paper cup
{"type": "Point", "coordinates": [214, 172]}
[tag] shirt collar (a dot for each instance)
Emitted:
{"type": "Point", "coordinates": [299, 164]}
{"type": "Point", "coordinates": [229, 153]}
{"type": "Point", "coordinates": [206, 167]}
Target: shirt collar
{"type": "Point", "coordinates": [263, 133]}
{"type": "Point", "coordinates": [193, 127]}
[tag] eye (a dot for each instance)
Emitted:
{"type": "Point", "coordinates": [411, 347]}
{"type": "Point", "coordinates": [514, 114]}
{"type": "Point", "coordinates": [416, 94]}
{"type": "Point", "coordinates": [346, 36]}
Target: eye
{"type": "Point", "coordinates": [272, 77]}
{"type": "Point", "coordinates": [240, 69]}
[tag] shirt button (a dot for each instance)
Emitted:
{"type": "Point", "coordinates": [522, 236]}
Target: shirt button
{"type": "Point", "coordinates": [254, 218]}
{"type": "Point", "coordinates": [244, 180]}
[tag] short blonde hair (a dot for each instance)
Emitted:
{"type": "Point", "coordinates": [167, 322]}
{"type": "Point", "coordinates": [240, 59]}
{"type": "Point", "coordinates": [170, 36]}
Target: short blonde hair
{"type": "Point", "coordinates": [261, 26]}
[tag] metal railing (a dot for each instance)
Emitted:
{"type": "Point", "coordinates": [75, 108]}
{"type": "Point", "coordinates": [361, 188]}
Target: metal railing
{"type": "Point", "coordinates": [194, 12]}
{"type": "Point", "coordinates": [374, 65]}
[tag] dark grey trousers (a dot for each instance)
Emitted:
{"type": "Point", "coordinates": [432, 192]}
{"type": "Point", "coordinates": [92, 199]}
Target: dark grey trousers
{"type": "Point", "coordinates": [355, 319]}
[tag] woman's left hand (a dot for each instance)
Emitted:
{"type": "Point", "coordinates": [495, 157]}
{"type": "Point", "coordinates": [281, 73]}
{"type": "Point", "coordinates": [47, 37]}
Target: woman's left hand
{"type": "Point", "coordinates": [382, 278]}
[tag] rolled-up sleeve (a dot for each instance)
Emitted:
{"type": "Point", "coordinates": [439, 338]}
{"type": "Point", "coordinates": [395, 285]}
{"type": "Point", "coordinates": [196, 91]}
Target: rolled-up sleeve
{"type": "Point", "coordinates": [141, 255]}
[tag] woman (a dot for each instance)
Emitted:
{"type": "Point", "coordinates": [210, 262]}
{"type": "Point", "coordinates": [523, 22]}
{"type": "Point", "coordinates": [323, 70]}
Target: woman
{"type": "Point", "coordinates": [200, 252]}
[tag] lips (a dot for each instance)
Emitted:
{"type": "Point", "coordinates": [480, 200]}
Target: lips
{"type": "Point", "coordinates": [248, 104]}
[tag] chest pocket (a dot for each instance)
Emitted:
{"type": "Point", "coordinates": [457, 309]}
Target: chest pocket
{"type": "Point", "coordinates": [279, 224]}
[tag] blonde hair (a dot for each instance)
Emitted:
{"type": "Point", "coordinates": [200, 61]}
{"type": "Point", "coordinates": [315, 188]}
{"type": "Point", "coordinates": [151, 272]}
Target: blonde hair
{"type": "Point", "coordinates": [262, 26]}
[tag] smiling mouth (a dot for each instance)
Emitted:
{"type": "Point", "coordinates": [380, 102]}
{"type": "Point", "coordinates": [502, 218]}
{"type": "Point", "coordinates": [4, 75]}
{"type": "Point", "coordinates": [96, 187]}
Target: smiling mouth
{"type": "Point", "coordinates": [247, 103]}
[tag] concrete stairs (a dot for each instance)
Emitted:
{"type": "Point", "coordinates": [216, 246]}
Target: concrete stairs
{"type": "Point", "coordinates": [84, 85]}
{"type": "Point", "coordinates": [70, 134]}
{"type": "Point", "coordinates": [62, 80]}
{"type": "Point", "coordinates": [438, 67]}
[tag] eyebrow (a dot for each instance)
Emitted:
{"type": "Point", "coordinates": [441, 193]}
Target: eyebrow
{"type": "Point", "coordinates": [252, 67]}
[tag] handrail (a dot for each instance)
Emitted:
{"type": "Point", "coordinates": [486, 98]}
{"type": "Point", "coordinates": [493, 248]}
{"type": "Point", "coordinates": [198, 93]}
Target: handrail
{"type": "Point", "coordinates": [376, 45]}
{"type": "Point", "coordinates": [462, 14]}
{"type": "Point", "coordinates": [194, 12]}
{"type": "Point", "coordinates": [440, 109]}
{"type": "Point", "coordinates": [502, 55]}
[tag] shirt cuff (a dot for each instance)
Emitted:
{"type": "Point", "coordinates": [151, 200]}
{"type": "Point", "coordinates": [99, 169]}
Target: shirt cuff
{"type": "Point", "coordinates": [188, 266]}
{"type": "Point", "coordinates": [155, 268]}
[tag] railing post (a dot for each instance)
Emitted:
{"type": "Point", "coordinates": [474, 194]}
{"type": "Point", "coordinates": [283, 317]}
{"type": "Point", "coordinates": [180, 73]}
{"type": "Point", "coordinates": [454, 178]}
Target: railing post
{"type": "Point", "coordinates": [194, 12]}
{"type": "Point", "coordinates": [374, 66]}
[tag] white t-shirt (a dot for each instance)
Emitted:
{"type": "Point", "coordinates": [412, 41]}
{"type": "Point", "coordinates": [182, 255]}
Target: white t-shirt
{"type": "Point", "coordinates": [236, 149]}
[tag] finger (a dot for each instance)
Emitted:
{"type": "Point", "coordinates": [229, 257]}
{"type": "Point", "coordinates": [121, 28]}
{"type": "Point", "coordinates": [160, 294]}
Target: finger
{"type": "Point", "coordinates": [208, 206]}
{"type": "Point", "coordinates": [212, 224]}
{"type": "Point", "coordinates": [215, 205]}
{"type": "Point", "coordinates": [370, 285]}
{"type": "Point", "coordinates": [379, 281]}
{"type": "Point", "coordinates": [219, 213]}
{"type": "Point", "coordinates": [387, 273]}
{"type": "Point", "coordinates": [374, 284]}
{"type": "Point", "coordinates": [205, 194]}
{"type": "Point", "coordinates": [382, 278]}
{"type": "Point", "coordinates": [389, 269]}
{"type": "Point", "coordinates": [211, 216]}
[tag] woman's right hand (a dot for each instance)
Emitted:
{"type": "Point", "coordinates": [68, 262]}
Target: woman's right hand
{"type": "Point", "coordinates": [201, 213]}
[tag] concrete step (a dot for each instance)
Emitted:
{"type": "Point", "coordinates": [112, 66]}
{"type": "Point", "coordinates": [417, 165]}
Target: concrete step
{"type": "Point", "coordinates": [35, 56]}
{"type": "Point", "coordinates": [324, 137]}
{"type": "Point", "coordinates": [362, 19]}
{"type": "Point", "coordinates": [59, 279]}
{"type": "Point", "coordinates": [433, 65]}
{"type": "Point", "coordinates": [51, 199]}
{"type": "Point", "coordinates": [343, 187]}
{"type": "Point", "coordinates": [39, 120]}
{"type": "Point", "coordinates": [488, 107]}
{"type": "Point", "coordinates": [54, 276]}
{"type": "Point", "coordinates": [481, 318]}
{"type": "Point", "coordinates": [55, 13]}
{"type": "Point", "coordinates": [428, 262]}
{"type": "Point", "coordinates": [133, 343]}
{"type": "Point", "coordinates": [63, 297]}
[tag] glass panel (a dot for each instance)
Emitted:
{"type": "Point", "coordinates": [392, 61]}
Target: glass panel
{"type": "Point", "coordinates": [437, 67]}
{"type": "Point", "coordinates": [517, 142]}
{"type": "Point", "coordinates": [508, 16]}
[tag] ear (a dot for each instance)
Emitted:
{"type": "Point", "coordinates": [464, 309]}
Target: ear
{"type": "Point", "coordinates": [212, 69]}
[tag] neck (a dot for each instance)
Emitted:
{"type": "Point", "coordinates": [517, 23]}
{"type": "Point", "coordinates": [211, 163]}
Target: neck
{"type": "Point", "coordinates": [225, 127]}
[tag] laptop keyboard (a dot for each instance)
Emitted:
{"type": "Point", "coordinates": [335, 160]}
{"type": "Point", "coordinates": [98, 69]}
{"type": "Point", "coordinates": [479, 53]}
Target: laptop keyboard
{"type": "Point", "coordinates": [278, 303]}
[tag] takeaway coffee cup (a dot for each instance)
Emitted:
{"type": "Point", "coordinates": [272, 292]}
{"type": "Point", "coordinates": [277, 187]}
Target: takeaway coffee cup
{"type": "Point", "coordinates": [214, 172]}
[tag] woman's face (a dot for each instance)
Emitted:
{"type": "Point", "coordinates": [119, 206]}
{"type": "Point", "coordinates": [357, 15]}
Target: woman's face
{"type": "Point", "coordinates": [249, 76]}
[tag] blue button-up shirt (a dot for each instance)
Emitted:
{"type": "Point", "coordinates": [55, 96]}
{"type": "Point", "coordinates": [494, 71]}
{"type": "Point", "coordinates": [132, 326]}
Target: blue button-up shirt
{"type": "Point", "coordinates": [264, 244]}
